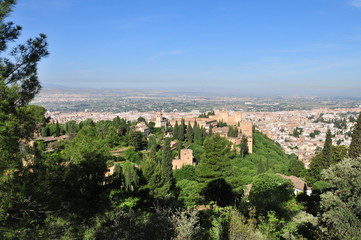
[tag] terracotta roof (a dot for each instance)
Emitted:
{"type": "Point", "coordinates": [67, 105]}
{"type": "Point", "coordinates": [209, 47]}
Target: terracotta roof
{"type": "Point", "coordinates": [297, 182]}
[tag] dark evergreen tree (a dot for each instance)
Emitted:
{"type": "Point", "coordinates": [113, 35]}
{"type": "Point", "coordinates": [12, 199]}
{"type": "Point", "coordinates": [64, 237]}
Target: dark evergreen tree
{"type": "Point", "coordinates": [260, 167]}
{"type": "Point", "coordinates": [182, 129]}
{"type": "Point", "coordinates": [210, 133]}
{"type": "Point", "coordinates": [195, 124]}
{"type": "Point", "coordinates": [269, 192]}
{"type": "Point", "coordinates": [57, 129]}
{"type": "Point", "coordinates": [216, 161]}
{"type": "Point", "coordinates": [156, 184]}
{"type": "Point", "coordinates": [18, 85]}
{"type": "Point", "coordinates": [295, 167]}
{"type": "Point", "coordinates": [323, 160]}
{"type": "Point", "coordinates": [267, 164]}
{"type": "Point", "coordinates": [179, 148]}
{"type": "Point", "coordinates": [190, 133]}
{"type": "Point", "coordinates": [135, 139]}
{"type": "Point", "coordinates": [176, 130]}
{"type": "Point", "coordinates": [45, 131]}
{"type": "Point", "coordinates": [355, 146]}
{"type": "Point", "coordinates": [167, 161]}
{"type": "Point", "coordinates": [232, 131]}
{"type": "Point", "coordinates": [219, 191]}
{"type": "Point", "coordinates": [327, 150]}
{"type": "Point", "coordinates": [158, 174]}
{"type": "Point", "coordinates": [197, 135]}
{"type": "Point", "coordinates": [204, 133]}
{"type": "Point", "coordinates": [244, 147]}
{"type": "Point", "coordinates": [130, 176]}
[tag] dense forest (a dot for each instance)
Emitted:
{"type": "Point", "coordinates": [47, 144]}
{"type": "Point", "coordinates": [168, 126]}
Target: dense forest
{"type": "Point", "coordinates": [104, 180]}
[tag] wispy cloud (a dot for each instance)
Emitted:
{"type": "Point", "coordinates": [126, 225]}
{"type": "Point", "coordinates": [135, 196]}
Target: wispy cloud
{"type": "Point", "coordinates": [168, 53]}
{"type": "Point", "coordinates": [355, 3]}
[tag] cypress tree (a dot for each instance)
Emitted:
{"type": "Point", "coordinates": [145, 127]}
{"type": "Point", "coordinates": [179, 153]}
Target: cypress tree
{"type": "Point", "coordinates": [181, 130]}
{"type": "Point", "coordinates": [190, 133]}
{"type": "Point", "coordinates": [167, 161]}
{"type": "Point", "coordinates": [44, 131]}
{"type": "Point", "coordinates": [327, 150]}
{"type": "Point", "coordinates": [176, 130]}
{"type": "Point", "coordinates": [321, 161]}
{"type": "Point", "coordinates": [47, 130]}
{"type": "Point", "coordinates": [244, 147]}
{"type": "Point", "coordinates": [152, 146]}
{"type": "Point", "coordinates": [197, 135]}
{"type": "Point", "coordinates": [355, 146]}
{"type": "Point", "coordinates": [260, 167]}
{"type": "Point", "coordinates": [179, 148]}
{"type": "Point", "coordinates": [57, 129]}
{"type": "Point", "coordinates": [230, 131]}
{"type": "Point", "coordinates": [267, 165]}
{"type": "Point", "coordinates": [195, 124]}
{"type": "Point", "coordinates": [210, 133]}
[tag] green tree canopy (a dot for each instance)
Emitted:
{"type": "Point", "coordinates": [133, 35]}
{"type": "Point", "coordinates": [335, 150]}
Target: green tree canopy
{"type": "Point", "coordinates": [216, 160]}
{"type": "Point", "coordinates": [355, 146]}
{"type": "Point", "coordinates": [268, 193]}
{"type": "Point", "coordinates": [342, 205]}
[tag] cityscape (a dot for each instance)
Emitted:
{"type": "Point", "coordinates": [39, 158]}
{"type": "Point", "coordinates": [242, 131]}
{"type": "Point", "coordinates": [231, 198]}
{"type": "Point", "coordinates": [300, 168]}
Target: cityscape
{"type": "Point", "coordinates": [338, 115]}
{"type": "Point", "coordinates": [180, 120]}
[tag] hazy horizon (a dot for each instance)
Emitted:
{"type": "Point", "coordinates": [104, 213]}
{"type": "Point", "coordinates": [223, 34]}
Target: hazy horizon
{"type": "Point", "coordinates": [308, 48]}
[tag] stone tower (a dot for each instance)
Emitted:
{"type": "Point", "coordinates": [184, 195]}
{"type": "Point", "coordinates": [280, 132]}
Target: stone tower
{"type": "Point", "coordinates": [223, 115]}
{"type": "Point", "coordinates": [238, 117]}
{"type": "Point", "coordinates": [186, 158]}
{"type": "Point", "coordinates": [158, 120]}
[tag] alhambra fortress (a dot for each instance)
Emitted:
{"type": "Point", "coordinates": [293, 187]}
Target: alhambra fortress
{"type": "Point", "coordinates": [245, 128]}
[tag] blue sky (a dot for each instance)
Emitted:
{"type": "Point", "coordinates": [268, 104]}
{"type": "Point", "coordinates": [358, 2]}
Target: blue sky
{"type": "Point", "coordinates": [249, 47]}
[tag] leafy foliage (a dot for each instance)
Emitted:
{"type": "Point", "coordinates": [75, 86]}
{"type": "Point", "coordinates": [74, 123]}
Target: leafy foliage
{"type": "Point", "coordinates": [269, 191]}
{"type": "Point", "coordinates": [341, 205]}
{"type": "Point", "coordinates": [274, 159]}
{"type": "Point", "coordinates": [355, 146]}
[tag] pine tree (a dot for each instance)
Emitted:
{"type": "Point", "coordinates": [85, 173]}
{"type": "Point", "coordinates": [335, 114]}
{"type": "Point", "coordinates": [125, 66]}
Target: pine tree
{"type": "Point", "coordinates": [210, 133]}
{"type": "Point", "coordinates": [355, 146]}
{"type": "Point", "coordinates": [215, 163]}
{"type": "Point", "coordinates": [18, 85]}
{"type": "Point", "coordinates": [156, 183]}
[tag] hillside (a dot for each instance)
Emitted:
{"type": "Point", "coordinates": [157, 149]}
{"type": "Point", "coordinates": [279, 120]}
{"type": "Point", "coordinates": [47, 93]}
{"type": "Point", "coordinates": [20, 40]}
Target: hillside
{"type": "Point", "coordinates": [273, 159]}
